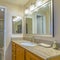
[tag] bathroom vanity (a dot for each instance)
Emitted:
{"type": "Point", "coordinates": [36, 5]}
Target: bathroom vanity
{"type": "Point", "coordinates": [22, 52]}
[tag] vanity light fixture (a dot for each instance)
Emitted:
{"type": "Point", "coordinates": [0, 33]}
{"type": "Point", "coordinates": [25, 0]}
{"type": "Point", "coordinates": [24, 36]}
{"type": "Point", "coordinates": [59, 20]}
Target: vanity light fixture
{"type": "Point", "coordinates": [26, 11]}
{"type": "Point", "coordinates": [38, 3]}
{"type": "Point", "coordinates": [46, 5]}
{"type": "Point", "coordinates": [32, 7]}
{"type": "Point", "coordinates": [29, 10]}
{"type": "Point", "coordinates": [18, 18]}
{"type": "Point", "coordinates": [36, 9]}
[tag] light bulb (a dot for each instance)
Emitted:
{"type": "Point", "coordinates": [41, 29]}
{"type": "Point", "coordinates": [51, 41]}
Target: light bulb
{"type": "Point", "coordinates": [32, 7]}
{"type": "Point", "coordinates": [18, 18]}
{"type": "Point", "coordinates": [38, 3]}
{"type": "Point", "coordinates": [26, 11]}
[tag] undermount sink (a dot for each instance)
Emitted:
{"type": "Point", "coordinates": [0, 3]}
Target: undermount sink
{"type": "Point", "coordinates": [28, 44]}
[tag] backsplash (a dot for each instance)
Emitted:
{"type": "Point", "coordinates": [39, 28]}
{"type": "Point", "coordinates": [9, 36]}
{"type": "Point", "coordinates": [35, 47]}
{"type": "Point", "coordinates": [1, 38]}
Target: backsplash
{"type": "Point", "coordinates": [16, 38]}
{"type": "Point", "coordinates": [38, 39]}
{"type": "Point", "coordinates": [41, 39]}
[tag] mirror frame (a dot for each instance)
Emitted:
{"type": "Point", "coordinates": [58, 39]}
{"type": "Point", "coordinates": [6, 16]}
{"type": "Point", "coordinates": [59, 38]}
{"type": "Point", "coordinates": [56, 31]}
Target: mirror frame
{"type": "Point", "coordinates": [12, 28]}
{"type": "Point", "coordinates": [52, 17]}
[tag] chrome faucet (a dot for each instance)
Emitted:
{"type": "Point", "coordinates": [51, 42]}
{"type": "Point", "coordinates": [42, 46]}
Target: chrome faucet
{"type": "Point", "coordinates": [32, 39]}
{"type": "Point", "coordinates": [54, 44]}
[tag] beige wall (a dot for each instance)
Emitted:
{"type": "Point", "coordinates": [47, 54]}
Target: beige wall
{"type": "Point", "coordinates": [57, 20]}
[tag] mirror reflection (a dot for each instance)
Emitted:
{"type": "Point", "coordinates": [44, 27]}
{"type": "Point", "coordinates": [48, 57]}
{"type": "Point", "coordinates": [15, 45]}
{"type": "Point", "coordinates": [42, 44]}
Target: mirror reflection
{"type": "Point", "coordinates": [40, 21]}
{"type": "Point", "coordinates": [16, 24]}
{"type": "Point", "coordinates": [29, 25]}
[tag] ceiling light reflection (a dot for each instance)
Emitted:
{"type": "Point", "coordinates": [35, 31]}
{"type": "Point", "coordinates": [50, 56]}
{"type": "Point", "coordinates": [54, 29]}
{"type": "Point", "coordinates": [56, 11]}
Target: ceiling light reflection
{"type": "Point", "coordinates": [32, 7]}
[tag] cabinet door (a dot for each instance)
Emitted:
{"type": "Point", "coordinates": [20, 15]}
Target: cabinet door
{"type": "Point", "coordinates": [30, 56]}
{"type": "Point", "coordinates": [13, 57]}
{"type": "Point", "coordinates": [19, 53]}
{"type": "Point", "coordinates": [13, 51]}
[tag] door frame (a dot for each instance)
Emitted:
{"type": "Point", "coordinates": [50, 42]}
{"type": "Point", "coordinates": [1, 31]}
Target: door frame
{"type": "Point", "coordinates": [5, 18]}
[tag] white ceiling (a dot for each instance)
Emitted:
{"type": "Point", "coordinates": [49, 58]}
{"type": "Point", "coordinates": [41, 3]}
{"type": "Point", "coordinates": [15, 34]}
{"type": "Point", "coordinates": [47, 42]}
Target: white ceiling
{"type": "Point", "coordinates": [18, 2]}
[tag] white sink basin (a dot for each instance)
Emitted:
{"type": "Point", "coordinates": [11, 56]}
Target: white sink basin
{"type": "Point", "coordinates": [28, 44]}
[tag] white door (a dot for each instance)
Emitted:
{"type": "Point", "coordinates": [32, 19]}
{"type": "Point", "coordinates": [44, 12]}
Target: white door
{"type": "Point", "coordinates": [41, 25]}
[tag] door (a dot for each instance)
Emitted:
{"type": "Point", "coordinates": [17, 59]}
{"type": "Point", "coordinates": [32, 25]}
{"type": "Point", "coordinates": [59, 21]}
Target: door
{"type": "Point", "coordinates": [41, 25]}
{"type": "Point", "coordinates": [2, 12]}
{"type": "Point", "coordinates": [19, 53]}
{"type": "Point", "coordinates": [13, 51]}
{"type": "Point", "coordinates": [30, 56]}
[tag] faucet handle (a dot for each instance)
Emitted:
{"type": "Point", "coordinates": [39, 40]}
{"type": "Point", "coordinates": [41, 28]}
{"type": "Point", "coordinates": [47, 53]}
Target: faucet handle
{"type": "Point", "coordinates": [32, 39]}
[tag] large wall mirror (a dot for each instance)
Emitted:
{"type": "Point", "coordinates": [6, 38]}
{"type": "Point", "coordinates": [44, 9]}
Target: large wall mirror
{"type": "Point", "coordinates": [16, 25]}
{"type": "Point", "coordinates": [41, 22]}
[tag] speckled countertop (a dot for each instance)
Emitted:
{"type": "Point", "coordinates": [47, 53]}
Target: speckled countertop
{"type": "Point", "coordinates": [43, 52]}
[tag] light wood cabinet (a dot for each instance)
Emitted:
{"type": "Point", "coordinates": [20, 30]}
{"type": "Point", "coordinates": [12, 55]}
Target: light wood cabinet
{"type": "Point", "coordinates": [30, 56]}
{"type": "Point", "coordinates": [55, 58]}
{"type": "Point", "coordinates": [13, 51]}
{"type": "Point", "coordinates": [19, 53]}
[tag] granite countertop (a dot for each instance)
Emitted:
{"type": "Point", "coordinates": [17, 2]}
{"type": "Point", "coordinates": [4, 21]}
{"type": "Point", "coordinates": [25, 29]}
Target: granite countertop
{"type": "Point", "coordinates": [43, 52]}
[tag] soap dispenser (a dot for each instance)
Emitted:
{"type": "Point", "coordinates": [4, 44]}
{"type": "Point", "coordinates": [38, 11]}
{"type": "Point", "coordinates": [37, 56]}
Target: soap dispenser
{"type": "Point", "coordinates": [54, 44]}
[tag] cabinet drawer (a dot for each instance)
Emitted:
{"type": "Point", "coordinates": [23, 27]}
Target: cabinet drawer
{"type": "Point", "coordinates": [19, 53]}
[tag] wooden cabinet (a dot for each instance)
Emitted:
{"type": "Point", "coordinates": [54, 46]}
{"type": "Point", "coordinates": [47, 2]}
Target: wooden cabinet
{"type": "Point", "coordinates": [19, 53]}
{"type": "Point", "coordinates": [13, 51]}
{"type": "Point", "coordinates": [55, 58]}
{"type": "Point", "coordinates": [30, 56]}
